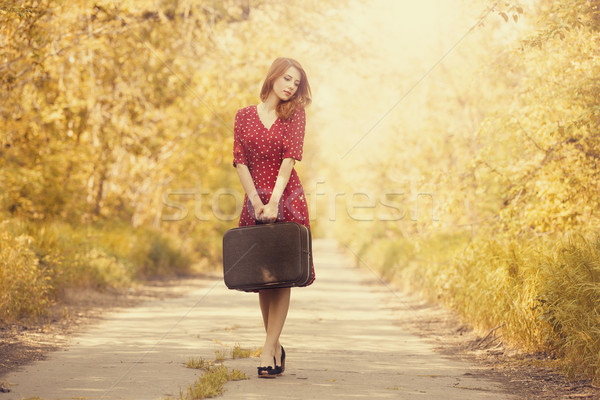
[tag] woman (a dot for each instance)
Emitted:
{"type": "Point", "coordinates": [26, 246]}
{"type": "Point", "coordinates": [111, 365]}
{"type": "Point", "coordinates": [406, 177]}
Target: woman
{"type": "Point", "coordinates": [268, 140]}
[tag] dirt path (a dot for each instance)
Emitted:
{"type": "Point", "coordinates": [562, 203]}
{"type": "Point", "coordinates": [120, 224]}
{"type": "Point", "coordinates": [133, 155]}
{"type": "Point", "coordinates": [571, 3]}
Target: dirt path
{"type": "Point", "coordinates": [344, 339]}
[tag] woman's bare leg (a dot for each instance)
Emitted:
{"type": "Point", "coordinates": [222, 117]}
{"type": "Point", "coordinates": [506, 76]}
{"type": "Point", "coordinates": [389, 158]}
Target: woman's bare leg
{"type": "Point", "coordinates": [274, 305]}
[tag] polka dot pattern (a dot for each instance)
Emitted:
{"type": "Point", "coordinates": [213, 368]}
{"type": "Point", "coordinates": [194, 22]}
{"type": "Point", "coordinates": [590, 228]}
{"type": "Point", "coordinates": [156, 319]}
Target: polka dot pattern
{"type": "Point", "coordinates": [262, 150]}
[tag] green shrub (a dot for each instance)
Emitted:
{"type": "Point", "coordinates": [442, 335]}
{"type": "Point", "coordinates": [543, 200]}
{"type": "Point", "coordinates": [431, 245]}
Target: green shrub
{"type": "Point", "coordinates": [154, 254]}
{"type": "Point", "coordinates": [570, 302]}
{"type": "Point", "coordinates": [38, 260]}
{"type": "Point", "coordinates": [25, 286]}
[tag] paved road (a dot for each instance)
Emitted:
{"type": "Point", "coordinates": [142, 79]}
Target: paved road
{"type": "Point", "coordinates": [342, 338]}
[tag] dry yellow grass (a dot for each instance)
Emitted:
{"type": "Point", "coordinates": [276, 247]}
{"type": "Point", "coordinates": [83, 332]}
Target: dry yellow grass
{"type": "Point", "coordinates": [542, 293]}
{"type": "Point", "coordinates": [39, 260]}
{"type": "Point", "coordinates": [211, 383]}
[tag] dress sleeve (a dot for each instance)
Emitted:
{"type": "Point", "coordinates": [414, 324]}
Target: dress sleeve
{"type": "Point", "coordinates": [294, 139]}
{"type": "Point", "coordinates": [239, 155]}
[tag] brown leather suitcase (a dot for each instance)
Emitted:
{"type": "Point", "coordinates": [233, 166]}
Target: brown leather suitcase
{"type": "Point", "coordinates": [267, 256]}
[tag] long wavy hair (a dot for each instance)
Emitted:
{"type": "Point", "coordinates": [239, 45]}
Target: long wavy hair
{"type": "Point", "coordinates": [302, 97]}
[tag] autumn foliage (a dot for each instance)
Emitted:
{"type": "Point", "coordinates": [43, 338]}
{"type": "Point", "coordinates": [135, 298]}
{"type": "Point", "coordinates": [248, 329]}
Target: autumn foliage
{"type": "Point", "coordinates": [508, 152]}
{"type": "Point", "coordinates": [115, 118]}
{"type": "Point", "coordinates": [116, 137]}
{"type": "Point", "coordinates": [117, 122]}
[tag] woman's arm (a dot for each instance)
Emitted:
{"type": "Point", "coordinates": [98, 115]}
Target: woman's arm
{"type": "Point", "coordinates": [250, 189]}
{"type": "Point", "coordinates": [285, 170]}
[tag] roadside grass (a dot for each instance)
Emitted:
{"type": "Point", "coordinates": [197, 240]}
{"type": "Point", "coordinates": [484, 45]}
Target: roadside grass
{"type": "Point", "coordinates": [199, 363]}
{"type": "Point", "coordinates": [211, 383]}
{"type": "Point", "coordinates": [38, 261]}
{"type": "Point", "coordinates": [220, 355]}
{"type": "Point", "coordinates": [215, 375]}
{"type": "Point", "coordinates": [540, 293]}
{"type": "Point", "coordinates": [239, 352]}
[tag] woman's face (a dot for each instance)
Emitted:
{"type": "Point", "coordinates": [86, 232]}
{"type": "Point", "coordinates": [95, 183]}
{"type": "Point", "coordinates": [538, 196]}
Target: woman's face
{"type": "Point", "coordinates": [286, 85]}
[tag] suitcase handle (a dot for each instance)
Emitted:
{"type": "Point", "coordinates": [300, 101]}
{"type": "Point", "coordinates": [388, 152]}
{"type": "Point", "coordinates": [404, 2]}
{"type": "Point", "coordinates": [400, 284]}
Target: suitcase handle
{"type": "Point", "coordinates": [257, 222]}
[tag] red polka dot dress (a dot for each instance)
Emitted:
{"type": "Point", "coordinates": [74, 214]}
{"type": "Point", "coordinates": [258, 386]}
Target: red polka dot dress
{"type": "Point", "coordinates": [262, 150]}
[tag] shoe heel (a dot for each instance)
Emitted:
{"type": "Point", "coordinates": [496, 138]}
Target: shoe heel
{"type": "Point", "coordinates": [282, 360]}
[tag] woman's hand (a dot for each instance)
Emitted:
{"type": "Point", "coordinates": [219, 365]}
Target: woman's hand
{"type": "Point", "coordinates": [270, 211]}
{"type": "Point", "coordinates": [258, 207]}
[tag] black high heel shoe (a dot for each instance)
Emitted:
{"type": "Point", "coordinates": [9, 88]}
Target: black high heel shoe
{"type": "Point", "coordinates": [269, 372]}
{"type": "Point", "coordinates": [282, 368]}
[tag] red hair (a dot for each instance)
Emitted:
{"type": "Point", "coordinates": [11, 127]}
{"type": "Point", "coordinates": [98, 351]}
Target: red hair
{"type": "Point", "coordinates": [302, 97]}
